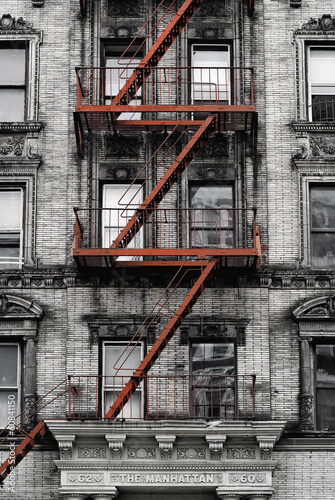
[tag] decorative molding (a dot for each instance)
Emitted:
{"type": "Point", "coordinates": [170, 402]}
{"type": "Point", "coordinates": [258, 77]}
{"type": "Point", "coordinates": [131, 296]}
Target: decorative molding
{"type": "Point", "coordinates": [122, 145]}
{"type": "Point", "coordinates": [15, 307]}
{"type": "Point", "coordinates": [191, 453]}
{"type": "Point", "coordinates": [313, 127]}
{"type": "Point", "coordinates": [118, 9]}
{"type": "Point", "coordinates": [306, 413]}
{"type": "Point", "coordinates": [91, 452]}
{"type": "Point", "coordinates": [65, 444]}
{"type": "Point", "coordinates": [115, 443]}
{"type": "Point", "coordinates": [296, 3]}
{"type": "Point", "coordinates": [38, 3]}
{"type": "Point", "coordinates": [325, 23]}
{"type": "Point", "coordinates": [12, 146]}
{"type": "Point", "coordinates": [165, 443]}
{"type": "Point", "coordinates": [241, 454]}
{"type": "Point", "coordinates": [322, 146]}
{"type": "Point", "coordinates": [9, 23]}
{"type": "Point", "coordinates": [213, 8]}
{"type": "Point", "coordinates": [215, 444]}
{"type": "Point", "coordinates": [320, 307]}
{"type": "Point", "coordinates": [213, 328]}
{"type": "Point", "coordinates": [119, 171]}
{"type": "Point", "coordinates": [141, 453]}
{"type": "Point", "coordinates": [266, 444]}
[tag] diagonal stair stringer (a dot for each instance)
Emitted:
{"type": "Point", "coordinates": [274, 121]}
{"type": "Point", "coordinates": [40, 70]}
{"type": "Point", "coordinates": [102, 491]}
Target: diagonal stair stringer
{"type": "Point", "coordinates": [166, 335]}
{"type": "Point", "coordinates": [22, 449]}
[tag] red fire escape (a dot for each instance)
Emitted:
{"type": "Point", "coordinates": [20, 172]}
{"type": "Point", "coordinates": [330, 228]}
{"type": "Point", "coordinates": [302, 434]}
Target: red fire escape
{"type": "Point", "coordinates": [198, 102]}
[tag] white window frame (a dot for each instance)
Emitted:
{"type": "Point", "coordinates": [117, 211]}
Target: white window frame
{"type": "Point", "coordinates": [13, 262]}
{"type": "Point", "coordinates": [128, 410]}
{"type": "Point", "coordinates": [123, 211]}
{"type": "Point", "coordinates": [310, 84]}
{"type": "Point", "coordinates": [33, 41]}
{"type": "Point", "coordinates": [17, 408]}
{"type": "Point", "coordinates": [306, 182]}
{"type": "Point", "coordinates": [212, 92]}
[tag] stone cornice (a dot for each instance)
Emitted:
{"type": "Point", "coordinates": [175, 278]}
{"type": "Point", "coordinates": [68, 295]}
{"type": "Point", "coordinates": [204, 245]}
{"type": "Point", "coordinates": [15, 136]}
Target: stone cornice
{"type": "Point", "coordinates": [21, 127]}
{"type": "Point", "coordinates": [313, 127]}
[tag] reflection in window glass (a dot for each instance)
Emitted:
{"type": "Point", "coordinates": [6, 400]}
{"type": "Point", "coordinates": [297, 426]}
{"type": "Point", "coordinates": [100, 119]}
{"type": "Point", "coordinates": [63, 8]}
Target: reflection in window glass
{"type": "Point", "coordinates": [213, 391]}
{"type": "Point", "coordinates": [211, 221]}
{"type": "Point", "coordinates": [322, 208]}
{"type": "Point", "coordinates": [325, 386]}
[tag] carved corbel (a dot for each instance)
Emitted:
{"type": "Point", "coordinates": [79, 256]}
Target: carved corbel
{"type": "Point", "coordinates": [38, 3]}
{"type": "Point", "coordinates": [106, 496]}
{"type": "Point", "coordinates": [165, 443]}
{"type": "Point", "coordinates": [266, 444]}
{"type": "Point", "coordinates": [65, 444]}
{"type": "Point", "coordinates": [215, 444]}
{"type": "Point", "coordinates": [296, 3]}
{"type": "Point", "coordinates": [115, 443]}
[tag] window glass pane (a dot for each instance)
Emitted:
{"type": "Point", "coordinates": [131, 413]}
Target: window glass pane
{"type": "Point", "coordinates": [322, 65]}
{"type": "Point", "coordinates": [323, 250]}
{"type": "Point", "coordinates": [211, 224]}
{"type": "Point", "coordinates": [210, 86]}
{"type": "Point", "coordinates": [12, 105]}
{"type": "Point", "coordinates": [5, 397]}
{"type": "Point", "coordinates": [8, 366]}
{"type": "Point", "coordinates": [129, 359]}
{"type": "Point", "coordinates": [212, 390]}
{"type": "Point", "coordinates": [12, 64]}
{"type": "Point", "coordinates": [325, 361]}
{"type": "Point", "coordinates": [123, 205]}
{"type": "Point", "coordinates": [10, 210]}
{"type": "Point", "coordinates": [325, 409]}
{"type": "Point", "coordinates": [323, 207]}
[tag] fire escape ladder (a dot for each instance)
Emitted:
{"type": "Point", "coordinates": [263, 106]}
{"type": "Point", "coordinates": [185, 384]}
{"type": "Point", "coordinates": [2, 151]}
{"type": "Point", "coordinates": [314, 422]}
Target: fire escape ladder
{"type": "Point", "coordinates": [166, 335]}
{"type": "Point", "coordinates": [21, 451]}
{"type": "Point", "coordinates": [170, 177]}
{"type": "Point", "coordinates": [157, 51]}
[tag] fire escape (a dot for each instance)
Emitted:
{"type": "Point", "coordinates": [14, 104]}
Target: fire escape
{"type": "Point", "coordinates": [188, 105]}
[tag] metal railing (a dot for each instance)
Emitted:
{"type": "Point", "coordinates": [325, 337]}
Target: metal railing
{"type": "Point", "coordinates": [215, 228]}
{"type": "Point", "coordinates": [171, 86]}
{"type": "Point", "coordinates": [198, 396]}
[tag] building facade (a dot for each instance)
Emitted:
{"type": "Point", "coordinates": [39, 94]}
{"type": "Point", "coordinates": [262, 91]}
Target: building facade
{"type": "Point", "coordinates": [167, 201]}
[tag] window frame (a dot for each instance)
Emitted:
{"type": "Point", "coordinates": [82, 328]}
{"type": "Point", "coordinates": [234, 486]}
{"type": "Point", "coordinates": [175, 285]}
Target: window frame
{"type": "Point", "coordinates": [309, 47]}
{"type": "Point", "coordinates": [228, 184]}
{"type": "Point", "coordinates": [32, 39]}
{"type": "Point", "coordinates": [203, 47]}
{"type": "Point", "coordinates": [118, 388]}
{"type": "Point", "coordinates": [27, 183]}
{"type": "Point", "coordinates": [303, 39]}
{"type": "Point", "coordinates": [233, 386]}
{"type": "Point", "coordinates": [19, 373]}
{"type": "Point", "coordinates": [306, 182]}
{"type": "Point", "coordinates": [113, 49]}
{"type": "Point", "coordinates": [317, 385]}
{"type": "Point", "coordinates": [11, 231]}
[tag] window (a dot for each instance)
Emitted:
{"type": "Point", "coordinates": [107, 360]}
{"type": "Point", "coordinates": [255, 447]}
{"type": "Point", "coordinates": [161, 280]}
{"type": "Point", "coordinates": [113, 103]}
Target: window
{"type": "Point", "coordinates": [322, 225]}
{"type": "Point", "coordinates": [118, 71]}
{"type": "Point", "coordinates": [119, 202]}
{"type": "Point", "coordinates": [11, 227]}
{"type": "Point", "coordinates": [119, 363]}
{"type": "Point", "coordinates": [9, 382]}
{"type": "Point", "coordinates": [213, 387]}
{"type": "Point", "coordinates": [12, 81]}
{"type": "Point", "coordinates": [325, 386]}
{"type": "Point", "coordinates": [321, 77]}
{"type": "Point", "coordinates": [211, 74]}
{"type": "Point", "coordinates": [211, 216]}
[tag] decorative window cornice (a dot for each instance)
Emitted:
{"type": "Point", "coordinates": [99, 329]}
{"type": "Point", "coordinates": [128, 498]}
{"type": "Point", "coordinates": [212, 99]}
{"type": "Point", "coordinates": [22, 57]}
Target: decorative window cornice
{"type": "Point", "coordinates": [326, 23]}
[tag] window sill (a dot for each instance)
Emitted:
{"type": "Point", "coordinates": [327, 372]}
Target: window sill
{"type": "Point", "coordinates": [314, 126]}
{"type": "Point", "coordinates": [30, 126]}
